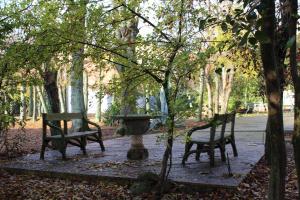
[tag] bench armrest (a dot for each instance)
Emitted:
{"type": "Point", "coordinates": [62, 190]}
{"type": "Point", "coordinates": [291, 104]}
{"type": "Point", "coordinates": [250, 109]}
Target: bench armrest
{"type": "Point", "coordinates": [206, 126]}
{"type": "Point", "coordinates": [92, 123]}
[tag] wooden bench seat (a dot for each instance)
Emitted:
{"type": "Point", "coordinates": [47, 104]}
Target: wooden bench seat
{"type": "Point", "coordinates": [63, 138]}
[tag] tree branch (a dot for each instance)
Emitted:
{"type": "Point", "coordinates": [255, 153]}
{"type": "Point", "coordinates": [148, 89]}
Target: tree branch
{"type": "Point", "coordinates": [146, 20]}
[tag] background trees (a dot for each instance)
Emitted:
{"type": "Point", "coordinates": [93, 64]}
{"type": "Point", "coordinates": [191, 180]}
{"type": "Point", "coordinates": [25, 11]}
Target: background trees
{"type": "Point", "coordinates": [169, 46]}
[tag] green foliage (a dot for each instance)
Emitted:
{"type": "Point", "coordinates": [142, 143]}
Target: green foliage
{"type": "Point", "coordinates": [113, 110]}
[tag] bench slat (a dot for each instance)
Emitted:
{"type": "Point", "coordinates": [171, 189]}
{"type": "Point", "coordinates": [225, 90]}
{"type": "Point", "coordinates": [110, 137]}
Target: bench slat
{"type": "Point", "coordinates": [62, 116]}
{"type": "Point", "coordinates": [73, 135]}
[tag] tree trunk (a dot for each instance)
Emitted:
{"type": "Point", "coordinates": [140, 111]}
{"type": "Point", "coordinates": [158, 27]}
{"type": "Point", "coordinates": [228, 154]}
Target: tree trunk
{"type": "Point", "coordinates": [43, 107]}
{"type": "Point", "coordinates": [163, 106]}
{"type": "Point", "coordinates": [268, 149]}
{"type": "Point", "coordinates": [275, 115]}
{"type": "Point", "coordinates": [34, 104]}
{"type": "Point", "coordinates": [30, 109]}
{"type": "Point", "coordinates": [76, 91]}
{"type": "Point", "coordinates": [23, 102]}
{"type": "Point", "coordinates": [201, 92]}
{"type": "Point", "coordinates": [50, 86]}
{"type": "Point", "coordinates": [77, 67]}
{"type": "Point", "coordinates": [62, 99]}
{"type": "Point", "coordinates": [86, 90]}
{"type": "Point", "coordinates": [216, 94]}
{"type": "Point", "coordinates": [98, 114]}
{"type": "Point", "coordinates": [227, 79]}
{"type": "Point", "coordinates": [292, 29]}
{"type": "Point", "coordinates": [128, 34]}
{"type": "Point", "coordinates": [147, 102]}
{"type": "Point", "coordinates": [99, 96]}
{"type": "Point", "coordinates": [209, 98]}
{"type": "Point", "coordinates": [168, 151]}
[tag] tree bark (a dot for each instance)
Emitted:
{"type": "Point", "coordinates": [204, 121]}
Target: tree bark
{"type": "Point", "coordinates": [99, 97]}
{"type": "Point", "coordinates": [128, 34]}
{"type": "Point", "coordinates": [34, 104]}
{"type": "Point", "coordinates": [227, 79]}
{"type": "Point", "coordinates": [216, 94]}
{"type": "Point", "coordinates": [43, 107]}
{"type": "Point", "coordinates": [23, 102]}
{"type": "Point", "coordinates": [292, 29]}
{"type": "Point", "coordinates": [86, 90]}
{"type": "Point", "coordinates": [30, 107]}
{"type": "Point", "coordinates": [77, 66]}
{"type": "Point", "coordinates": [168, 151]}
{"type": "Point", "coordinates": [147, 102]}
{"type": "Point", "coordinates": [76, 91]}
{"type": "Point", "coordinates": [275, 115]}
{"type": "Point", "coordinates": [163, 105]}
{"type": "Point", "coordinates": [50, 86]}
{"type": "Point", "coordinates": [201, 93]}
{"type": "Point", "coordinates": [209, 92]}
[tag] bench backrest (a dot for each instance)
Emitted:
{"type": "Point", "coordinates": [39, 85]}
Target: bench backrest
{"type": "Point", "coordinates": [61, 116]}
{"type": "Point", "coordinates": [222, 120]}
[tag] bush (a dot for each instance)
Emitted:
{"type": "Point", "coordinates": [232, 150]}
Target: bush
{"type": "Point", "coordinates": [113, 110]}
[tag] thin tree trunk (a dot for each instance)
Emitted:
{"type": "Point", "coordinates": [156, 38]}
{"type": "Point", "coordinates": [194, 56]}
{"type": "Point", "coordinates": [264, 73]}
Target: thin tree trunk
{"type": "Point", "coordinates": [86, 90]}
{"type": "Point", "coordinates": [216, 94]}
{"type": "Point", "coordinates": [201, 93]}
{"type": "Point", "coordinates": [147, 101]}
{"type": "Point", "coordinates": [98, 114]}
{"type": "Point", "coordinates": [61, 99]}
{"type": "Point", "coordinates": [168, 151]}
{"type": "Point", "coordinates": [209, 98]}
{"type": "Point", "coordinates": [163, 106]}
{"type": "Point", "coordinates": [34, 104]}
{"type": "Point", "coordinates": [43, 101]}
{"type": "Point", "coordinates": [99, 97]}
{"type": "Point", "coordinates": [275, 116]}
{"type": "Point", "coordinates": [30, 109]}
{"type": "Point", "coordinates": [23, 103]}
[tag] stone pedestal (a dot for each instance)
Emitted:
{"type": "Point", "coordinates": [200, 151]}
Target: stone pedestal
{"type": "Point", "coordinates": [136, 126]}
{"type": "Point", "coordinates": [137, 150]}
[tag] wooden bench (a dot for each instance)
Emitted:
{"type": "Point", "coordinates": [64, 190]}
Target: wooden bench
{"type": "Point", "coordinates": [64, 138]}
{"type": "Point", "coordinates": [208, 141]}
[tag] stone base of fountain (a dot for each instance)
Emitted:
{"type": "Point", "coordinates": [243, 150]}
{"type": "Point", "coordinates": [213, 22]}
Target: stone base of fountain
{"type": "Point", "coordinates": [137, 150]}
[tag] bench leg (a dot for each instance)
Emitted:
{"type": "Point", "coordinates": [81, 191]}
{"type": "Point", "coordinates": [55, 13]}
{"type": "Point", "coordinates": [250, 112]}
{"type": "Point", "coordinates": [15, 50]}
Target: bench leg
{"type": "Point", "coordinates": [199, 147]}
{"type": "Point", "coordinates": [222, 151]}
{"type": "Point", "coordinates": [63, 148]}
{"type": "Point", "coordinates": [212, 155]}
{"type": "Point", "coordinates": [83, 144]}
{"type": "Point", "coordinates": [235, 153]}
{"type": "Point", "coordinates": [101, 142]}
{"type": "Point", "coordinates": [42, 154]}
{"type": "Point", "coordinates": [63, 153]}
{"type": "Point", "coordinates": [188, 146]}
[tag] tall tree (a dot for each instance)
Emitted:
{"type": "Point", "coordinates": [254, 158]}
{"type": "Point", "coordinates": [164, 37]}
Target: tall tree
{"type": "Point", "coordinates": [273, 91]}
{"type": "Point", "coordinates": [292, 9]}
{"type": "Point", "coordinates": [77, 13]}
